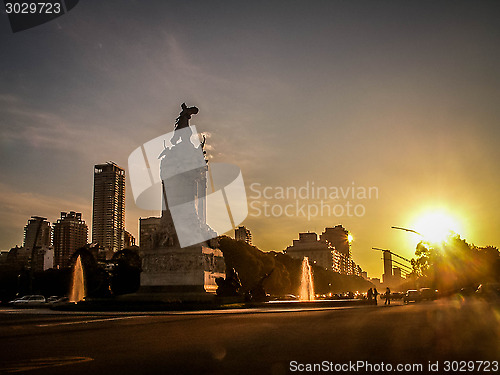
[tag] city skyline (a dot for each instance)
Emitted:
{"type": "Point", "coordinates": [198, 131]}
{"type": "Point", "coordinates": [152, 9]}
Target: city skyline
{"type": "Point", "coordinates": [401, 97]}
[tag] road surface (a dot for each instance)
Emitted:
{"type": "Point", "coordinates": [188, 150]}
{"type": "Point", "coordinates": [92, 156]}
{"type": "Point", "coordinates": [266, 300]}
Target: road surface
{"type": "Point", "coordinates": [250, 341]}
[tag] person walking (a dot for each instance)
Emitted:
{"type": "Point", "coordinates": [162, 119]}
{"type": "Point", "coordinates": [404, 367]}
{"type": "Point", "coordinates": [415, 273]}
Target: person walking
{"type": "Point", "coordinates": [369, 295]}
{"type": "Point", "coordinates": [387, 296]}
{"type": "Point", "coordinates": [375, 294]}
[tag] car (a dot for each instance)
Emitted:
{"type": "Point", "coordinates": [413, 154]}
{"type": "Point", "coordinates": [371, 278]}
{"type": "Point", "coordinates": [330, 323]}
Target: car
{"type": "Point", "coordinates": [428, 294]}
{"type": "Point", "coordinates": [34, 300]}
{"type": "Point", "coordinates": [397, 295]}
{"type": "Point", "coordinates": [411, 295]}
{"type": "Point", "coordinates": [19, 300]}
{"type": "Point", "coordinates": [56, 299]}
{"type": "Point", "coordinates": [288, 297]}
{"type": "Point", "coordinates": [58, 302]}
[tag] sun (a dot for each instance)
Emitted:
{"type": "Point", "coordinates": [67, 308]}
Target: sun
{"type": "Point", "coordinates": [436, 226]}
{"type": "Point", "coordinates": [350, 238]}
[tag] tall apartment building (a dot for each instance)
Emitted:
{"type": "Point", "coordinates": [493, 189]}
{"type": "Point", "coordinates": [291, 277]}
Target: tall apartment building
{"type": "Point", "coordinates": [338, 237]}
{"type": "Point", "coordinates": [387, 276]}
{"type": "Point", "coordinates": [37, 232]}
{"type": "Point", "coordinates": [243, 234]}
{"type": "Point", "coordinates": [70, 234]}
{"type": "Point", "coordinates": [128, 239]}
{"type": "Point", "coordinates": [37, 244]}
{"type": "Point", "coordinates": [332, 251]}
{"type": "Point", "coordinates": [108, 214]}
{"type": "Point", "coordinates": [319, 252]}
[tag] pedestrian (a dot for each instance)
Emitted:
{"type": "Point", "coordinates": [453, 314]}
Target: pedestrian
{"type": "Point", "coordinates": [375, 294]}
{"type": "Point", "coordinates": [387, 296]}
{"type": "Point", "coordinates": [369, 295]}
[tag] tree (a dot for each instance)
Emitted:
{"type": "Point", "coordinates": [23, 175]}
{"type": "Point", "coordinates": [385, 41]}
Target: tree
{"type": "Point", "coordinates": [126, 274]}
{"type": "Point", "coordinates": [252, 264]}
{"type": "Point", "coordinates": [454, 264]}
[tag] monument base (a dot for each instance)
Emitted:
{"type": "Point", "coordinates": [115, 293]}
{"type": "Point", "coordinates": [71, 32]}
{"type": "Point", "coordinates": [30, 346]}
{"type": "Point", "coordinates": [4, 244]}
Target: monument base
{"type": "Point", "coordinates": [173, 274]}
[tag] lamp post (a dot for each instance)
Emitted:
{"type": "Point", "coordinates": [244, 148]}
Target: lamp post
{"type": "Point", "coordinates": [409, 230]}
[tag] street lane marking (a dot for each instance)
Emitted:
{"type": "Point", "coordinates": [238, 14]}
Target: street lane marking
{"type": "Point", "coordinates": [87, 321]}
{"type": "Point", "coordinates": [258, 311]}
{"type": "Point", "coordinates": [37, 363]}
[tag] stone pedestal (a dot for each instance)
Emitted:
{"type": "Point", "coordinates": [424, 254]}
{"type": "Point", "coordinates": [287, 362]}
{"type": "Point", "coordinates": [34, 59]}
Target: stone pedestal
{"type": "Point", "coordinates": [181, 274]}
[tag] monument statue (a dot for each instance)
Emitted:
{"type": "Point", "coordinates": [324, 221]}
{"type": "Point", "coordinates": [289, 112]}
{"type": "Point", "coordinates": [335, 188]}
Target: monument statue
{"type": "Point", "coordinates": [183, 171]}
{"type": "Point", "coordinates": [181, 261]}
{"type": "Point", "coordinates": [182, 122]}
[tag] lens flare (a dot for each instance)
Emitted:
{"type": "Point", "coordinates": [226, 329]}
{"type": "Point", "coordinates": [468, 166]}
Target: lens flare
{"type": "Point", "coordinates": [437, 226]}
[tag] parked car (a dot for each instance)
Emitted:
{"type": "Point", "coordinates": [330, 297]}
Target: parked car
{"type": "Point", "coordinates": [56, 299]}
{"type": "Point", "coordinates": [58, 302]}
{"type": "Point", "coordinates": [411, 295]}
{"type": "Point", "coordinates": [428, 294]}
{"type": "Point", "coordinates": [34, 300]}
{"type": "Point", "coordinates": [287, 297]}
{"type": "Point", "coordinates": [397, 295]}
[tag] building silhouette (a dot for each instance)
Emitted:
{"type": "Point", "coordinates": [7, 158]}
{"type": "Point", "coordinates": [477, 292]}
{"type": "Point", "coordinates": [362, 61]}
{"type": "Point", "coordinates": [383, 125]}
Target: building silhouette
{"type": "Point", "coordinates": [397, 277]}
{"type": "Point", "coordinates": [147, 230]}
{"type": "Point", "coordinates": [37, 250]}
{"type": "Point", "coordinates": [128, 239]}
{"type": "Point", "coordinates": [108, 214]}
{"type": "Point", "coordinates": [387, 276]}
{"type": "Point", "coordinates": [70, 234]}
{"type": "Point", "coordinates": [319, 253]}
{"type": "Point", "coordinates": [243, 234]}
{"type": "Point", "coordinates": [37, 232]}
{"type": "Point", "coordinates": [331, 251]}
{"type": "Point", "coordinates": [338, 237]}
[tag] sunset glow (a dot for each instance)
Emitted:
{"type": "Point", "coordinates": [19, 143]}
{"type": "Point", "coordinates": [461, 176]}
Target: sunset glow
{"type": "Point", "coordinates": [436, 226]}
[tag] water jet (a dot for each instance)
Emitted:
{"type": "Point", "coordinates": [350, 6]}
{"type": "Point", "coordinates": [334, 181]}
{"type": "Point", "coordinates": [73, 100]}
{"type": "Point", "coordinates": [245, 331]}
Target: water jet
{"type": "Point", "coordinates": [77, 292]}
{"type": "Point", "coordinates": [306, 292]}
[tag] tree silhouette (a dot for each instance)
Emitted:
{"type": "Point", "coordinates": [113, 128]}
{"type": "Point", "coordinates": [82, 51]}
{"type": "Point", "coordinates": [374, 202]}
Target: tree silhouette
{"type": "Point", "coordinates": [454, 264]}
{"type": "Point", "coordinates": [126, 271]}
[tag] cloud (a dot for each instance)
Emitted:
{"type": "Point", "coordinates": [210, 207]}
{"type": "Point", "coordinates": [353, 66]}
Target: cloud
{"type": "Point", "coordinates": [18, 206]}
{"type": "Point", "coordinates": [37, 128]}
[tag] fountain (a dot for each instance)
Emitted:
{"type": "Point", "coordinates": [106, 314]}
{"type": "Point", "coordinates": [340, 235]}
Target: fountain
{"type": "Point", "coordinates": [77, 293]}
{"type": "Point", "coordinates": [306, 282]}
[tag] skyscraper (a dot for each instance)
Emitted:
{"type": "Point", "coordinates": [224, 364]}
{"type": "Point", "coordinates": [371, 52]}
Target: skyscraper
{"type": "Point", "coordinates": [128, 239]}
{"type": "Point", "coordinates": [338, 237]}
{"type": "Point", "coordinates": [37, 248]}
{"type": "Point", "coordinates": [37, 233]}
{"type": "Point", "coordinates": [70, 234]}
{"type": "Point", "coordinates": [108, 214]}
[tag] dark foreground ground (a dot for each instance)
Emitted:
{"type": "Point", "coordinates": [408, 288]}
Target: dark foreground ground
{"type": "Point", "coordinates": [253, 342]}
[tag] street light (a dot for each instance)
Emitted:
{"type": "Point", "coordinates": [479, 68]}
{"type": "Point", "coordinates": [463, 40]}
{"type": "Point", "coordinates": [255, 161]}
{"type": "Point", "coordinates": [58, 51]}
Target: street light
{"type": "Point", "coordinates": [409, 230]}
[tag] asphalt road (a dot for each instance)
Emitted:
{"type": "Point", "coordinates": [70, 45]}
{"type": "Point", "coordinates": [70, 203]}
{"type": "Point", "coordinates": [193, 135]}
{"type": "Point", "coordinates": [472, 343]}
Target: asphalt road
{"type": "Point", "coordinates": [248, 342]}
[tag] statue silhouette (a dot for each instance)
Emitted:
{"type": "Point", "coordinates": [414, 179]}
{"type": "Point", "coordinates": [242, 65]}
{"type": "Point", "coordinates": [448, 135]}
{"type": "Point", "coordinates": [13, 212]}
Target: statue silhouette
{"type": "Point", "coordinates": [182, 122]}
